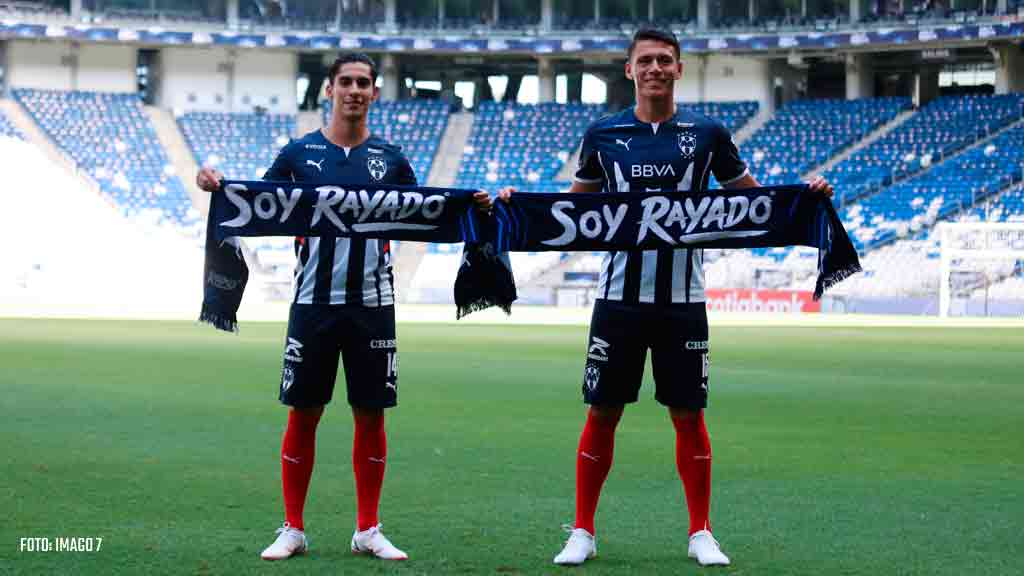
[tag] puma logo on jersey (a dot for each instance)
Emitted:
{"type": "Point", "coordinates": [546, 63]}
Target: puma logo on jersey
{"type": "Point", "coordinates": [317, 164]}
{"type": "Point", "coordinates": [624, 144]}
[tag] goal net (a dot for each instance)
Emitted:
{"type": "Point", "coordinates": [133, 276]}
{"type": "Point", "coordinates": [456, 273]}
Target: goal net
{"type": "Point", "coordinates": [981, 269]}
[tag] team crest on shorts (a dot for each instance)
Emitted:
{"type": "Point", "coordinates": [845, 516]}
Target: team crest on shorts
{"type": "Point", "coordinates": [377, 167]}
{"type": "Point", "coordinates": [592, 376]}
{"type": "Point", "coordinates": [287, 379]}
{"type": "Point", "coordinates": [687, 143]}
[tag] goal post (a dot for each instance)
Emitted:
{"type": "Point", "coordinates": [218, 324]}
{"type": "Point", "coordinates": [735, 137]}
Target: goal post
{"type": "Point", "coordinates": [977, 255]}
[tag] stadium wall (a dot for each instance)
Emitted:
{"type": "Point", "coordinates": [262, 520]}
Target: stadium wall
{"type": "Point", "coordinates": [71, 66]}
{"type": "Point", "coordinates": [725, 79]}
{"type": "Point", "coordinates": [227, 80]}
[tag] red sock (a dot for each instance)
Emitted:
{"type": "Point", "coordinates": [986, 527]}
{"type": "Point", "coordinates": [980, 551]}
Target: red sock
{"type": "Point", "coordinates": [593, 461]}
{"type": "Point", "coordinates": [693, 460]}
{"type": "Point", "coordinates": [369, 450]}
{"type": "Point", "coordinates": [297, 451]}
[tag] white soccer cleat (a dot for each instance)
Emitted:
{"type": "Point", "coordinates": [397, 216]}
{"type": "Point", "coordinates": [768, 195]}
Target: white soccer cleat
{"type": "Point", "coordinates": [704, 548]}
{"type": "Point", "coordinates": [373, 541]}
{"type": "Point", "coordinates": [580, 547]}
{"type": "Point", "coordinates": [290, 542]}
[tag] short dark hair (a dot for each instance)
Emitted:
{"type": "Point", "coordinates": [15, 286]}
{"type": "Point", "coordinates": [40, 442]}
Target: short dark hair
{"type": "Point", "coordinates": [349, 58]}
{"type": "Point", "coordinates": [655, 34]}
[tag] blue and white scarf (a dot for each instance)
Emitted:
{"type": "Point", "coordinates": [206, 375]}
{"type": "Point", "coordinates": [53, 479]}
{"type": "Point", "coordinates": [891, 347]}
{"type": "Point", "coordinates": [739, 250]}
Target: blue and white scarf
{"type": "Point", "coordinates": [751, 218]}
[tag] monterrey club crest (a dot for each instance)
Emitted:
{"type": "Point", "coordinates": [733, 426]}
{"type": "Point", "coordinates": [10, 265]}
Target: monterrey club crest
{"type": "Point", "coordinates": [287, 378]}
{"type": "Point", "coordinates": [377, 167]}
{"type": "Point", "coordinates": [592, 376]}
{"type": "Point", "coordinates": [687, 143]}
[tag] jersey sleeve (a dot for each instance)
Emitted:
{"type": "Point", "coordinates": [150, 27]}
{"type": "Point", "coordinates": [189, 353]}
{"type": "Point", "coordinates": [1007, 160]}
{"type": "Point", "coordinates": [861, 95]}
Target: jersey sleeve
{"type": "Point", "coordinates": [281, 169]}
{"type": "Point", "coordinates": [726, 164]}
{"type": "Point", "coordinates": [405, 174]}
{"type": "Point", "coordinates": [588, 170]}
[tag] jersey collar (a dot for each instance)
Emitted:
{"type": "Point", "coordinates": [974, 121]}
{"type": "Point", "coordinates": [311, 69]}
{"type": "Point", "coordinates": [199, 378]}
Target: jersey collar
{"type": "Point", "coordinates": [655, 126]}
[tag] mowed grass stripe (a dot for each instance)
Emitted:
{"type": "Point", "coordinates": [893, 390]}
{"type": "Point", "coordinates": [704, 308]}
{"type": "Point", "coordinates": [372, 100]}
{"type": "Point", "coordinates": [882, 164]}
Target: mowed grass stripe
{"type": "Point", "coordinates": [837, 451]}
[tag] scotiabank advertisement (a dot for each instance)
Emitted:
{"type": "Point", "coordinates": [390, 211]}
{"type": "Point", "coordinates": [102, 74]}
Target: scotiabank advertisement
{"type": "Point", "coordinates": [788, 301]}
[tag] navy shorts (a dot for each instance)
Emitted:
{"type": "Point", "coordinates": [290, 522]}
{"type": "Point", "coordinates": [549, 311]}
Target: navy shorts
{"type": "Point", "coordinates": [620, 334]}
{"type": "Point", "coordinates": [363, 337]}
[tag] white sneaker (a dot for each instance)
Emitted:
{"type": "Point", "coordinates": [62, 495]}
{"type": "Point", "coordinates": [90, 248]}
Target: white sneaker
{"type": "Point", "coordinates": [578, 549]}
{"type": "Point", "coordinates": [289, 543]}
{"type": "Point", "coordinates": [373, 541]}
{"type": "Point", "coordinates": [704, 548]}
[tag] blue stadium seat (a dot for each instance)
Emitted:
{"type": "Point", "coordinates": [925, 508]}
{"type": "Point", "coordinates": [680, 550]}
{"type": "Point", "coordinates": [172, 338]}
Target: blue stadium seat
{"type": "Point", "coordinates": [949, 187]}
{"type": "Point", "coordinates": [523, 145]}
{"type": "Point", "coordinates": [415, 125]}
{"type": "Point", "coordinates": [241, 145]}
{"type": "Point", "coordinates": [110, 137]}
{"type": "Point", "coordinates": [8, 129]}
{"type": "Point", "coordinates": [939, 129]}
{"type": "Point", "coordinates": [733, 115]}
{"type": "Point", "coordinates": [806, 133]}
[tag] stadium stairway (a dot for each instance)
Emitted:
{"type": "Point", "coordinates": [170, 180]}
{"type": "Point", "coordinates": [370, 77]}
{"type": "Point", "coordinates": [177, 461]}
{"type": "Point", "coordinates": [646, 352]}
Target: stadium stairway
{"type": "Point", "coordinates": [569, 168]}
{"type": "Point", "coordinates": [180, 155]}
{"type": "Point", "coordinates": [184, 162]}
{"type": "Point", "coordinates": [863, 143]}
{"type": "Point", "coordinates": [21, 119]}
{"type": "Point", "coordinates": [756, 123]}
{"type": "Point", "coordinates": [948, 160]}
{"type": "Point", "coordinates": [448, 158]}
{"type": "Point", "coordinates": [409, 255]}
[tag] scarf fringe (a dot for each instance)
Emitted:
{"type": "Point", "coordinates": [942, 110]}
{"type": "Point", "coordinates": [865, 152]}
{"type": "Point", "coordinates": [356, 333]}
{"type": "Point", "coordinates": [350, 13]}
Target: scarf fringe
{"type": "Point", "coordinates": [218, 321]}
{"type": "Point", "coordinates": [827, 281]}
{"type": "Point", "coordinates": [465, 309]}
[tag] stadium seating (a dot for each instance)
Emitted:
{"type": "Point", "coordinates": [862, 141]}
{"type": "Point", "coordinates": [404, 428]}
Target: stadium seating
{"type": "Point", "coordinates": [415, 125]}
{"type": "Point", "coordinates": [806, 133]}
{"type": "Point", "coordinates": [1006, 207]}
{"type": "Point", "coordinates": [109, 137]}
{"type": "Point", "coordinates": [948, 188]}
{"type": "Point", "coordinates": [939, 129]}
{"type": "Point", "coordinates": [8, 129]}
{"type": "Point", "coordinates": [523, 145]}
{"type": "Point", "coordinates": [733, 115]}
{"type": "Point", "coordinates": [241, 145]}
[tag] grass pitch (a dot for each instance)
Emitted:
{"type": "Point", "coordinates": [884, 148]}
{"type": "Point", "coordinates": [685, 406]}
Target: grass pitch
{"type": "Point", "coordinates": [837, 451]}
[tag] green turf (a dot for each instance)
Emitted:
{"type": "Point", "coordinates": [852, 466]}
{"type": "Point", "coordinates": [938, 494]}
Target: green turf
{"type": "Point", "coordinates": [837, 451]}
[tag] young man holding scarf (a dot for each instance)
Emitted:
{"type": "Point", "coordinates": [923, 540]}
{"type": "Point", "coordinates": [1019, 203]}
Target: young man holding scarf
{"type": "Point", "coordinates": [344, 304]}
{"type": "Point", "coordinates": [651, 299]}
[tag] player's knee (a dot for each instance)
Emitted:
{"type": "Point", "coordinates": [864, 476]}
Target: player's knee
{"type": "Point", "coordinates": [308, 410]}
{"type": "Point", "coordinates": [685, 415]}
{"type": "Point", "coordinates": [607, 415]}
{"type": "Point", "coordinates": [369, 417]}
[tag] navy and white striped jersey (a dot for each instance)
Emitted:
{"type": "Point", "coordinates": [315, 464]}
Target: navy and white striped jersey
{"type": "Point", "coordinates": [624, 154]}
{"type": "Point", "coordinates": [352, 271]}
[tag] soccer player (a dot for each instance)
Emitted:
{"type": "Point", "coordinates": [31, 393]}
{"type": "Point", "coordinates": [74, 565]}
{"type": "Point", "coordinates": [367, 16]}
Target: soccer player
{"type": "Point", "coordinates": [651, 299]}
{"type": "Point", "coordinates": [343, 305]}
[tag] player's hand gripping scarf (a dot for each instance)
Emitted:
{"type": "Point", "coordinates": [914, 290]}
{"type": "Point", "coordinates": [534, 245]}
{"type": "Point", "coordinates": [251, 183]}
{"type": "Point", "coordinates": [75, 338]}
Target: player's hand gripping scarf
{"type": "Point", "coordinates": [752, 218]}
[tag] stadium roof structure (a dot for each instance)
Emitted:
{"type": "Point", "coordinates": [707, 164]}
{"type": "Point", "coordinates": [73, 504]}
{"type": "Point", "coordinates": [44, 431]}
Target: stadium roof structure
{"type": "Point", "coordinates": [922, 36]}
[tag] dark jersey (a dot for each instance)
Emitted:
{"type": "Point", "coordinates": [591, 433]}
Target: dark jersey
{"type": "Point", "coordinates": [624, 154]}
{"type": "Point", "coordinates": [353, 271]}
